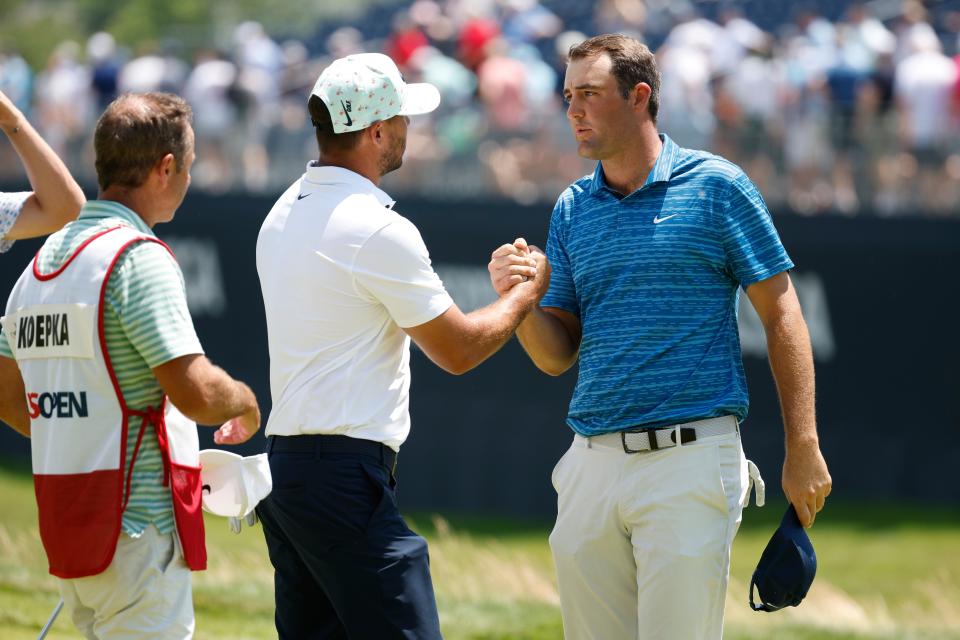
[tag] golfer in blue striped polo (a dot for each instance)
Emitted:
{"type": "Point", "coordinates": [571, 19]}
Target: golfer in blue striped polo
{"type": "Point", "coordinates": [648, 256]}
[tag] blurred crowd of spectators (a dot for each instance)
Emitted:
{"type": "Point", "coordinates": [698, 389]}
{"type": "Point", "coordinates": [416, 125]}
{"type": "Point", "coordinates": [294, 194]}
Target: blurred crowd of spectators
{"type": "Point", "coordinates": [857, 114]}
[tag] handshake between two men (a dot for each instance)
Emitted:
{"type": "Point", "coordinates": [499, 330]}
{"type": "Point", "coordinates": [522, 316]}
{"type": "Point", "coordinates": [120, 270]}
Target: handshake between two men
{"type": "Point", "coordinates": [519, 262]}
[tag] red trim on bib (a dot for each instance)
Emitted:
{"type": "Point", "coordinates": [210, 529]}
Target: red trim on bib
{"type": "Point", "coordinates": [50, 276]}
{"type": "Point", "coordinates": [125, 411]}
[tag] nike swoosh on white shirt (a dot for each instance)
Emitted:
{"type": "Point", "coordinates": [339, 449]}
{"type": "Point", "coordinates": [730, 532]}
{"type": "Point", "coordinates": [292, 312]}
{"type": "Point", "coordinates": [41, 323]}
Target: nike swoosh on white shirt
{"type": "Point", "coordinates": [657, 219]}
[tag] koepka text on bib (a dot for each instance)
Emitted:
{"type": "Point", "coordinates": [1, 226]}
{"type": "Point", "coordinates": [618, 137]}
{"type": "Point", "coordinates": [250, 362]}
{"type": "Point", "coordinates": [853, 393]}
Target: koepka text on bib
{"type": "Point", "coordinates": [51, 331]}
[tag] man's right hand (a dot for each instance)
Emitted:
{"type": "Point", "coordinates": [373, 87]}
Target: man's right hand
{"type": "Point", "coordinates": [510, 265]}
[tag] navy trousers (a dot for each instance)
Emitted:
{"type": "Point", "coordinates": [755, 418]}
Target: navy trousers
{"type": "Point", "coordinates": [345, 563]}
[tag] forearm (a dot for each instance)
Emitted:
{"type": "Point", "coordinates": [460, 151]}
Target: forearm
{"type": "Point", "coordinates": [791, 362]}
{"type": "Point", "coordinates": [486, 330]}
{"type": "Point", "coordinates": [203, 391]}
{"type": "Point", "coordinates": [58, 197]}
{"type": "Point", "coordinates": [548, 342]}
{"type": "Point", "coordinates": [224, 398]}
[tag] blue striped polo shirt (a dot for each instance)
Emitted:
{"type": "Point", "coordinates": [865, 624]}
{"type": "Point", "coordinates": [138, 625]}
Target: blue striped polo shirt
{"type": "Point", "coordinates": [655, 279]}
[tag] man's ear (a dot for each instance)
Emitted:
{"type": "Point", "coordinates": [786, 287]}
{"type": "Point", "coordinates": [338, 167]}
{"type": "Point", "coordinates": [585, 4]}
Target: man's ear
{"type": "Point", "coordinates": [641, 96]}
{"type": "Point", "coordinates": [376, 132]}
{"type": "Point", "coordinates": [165, 168]}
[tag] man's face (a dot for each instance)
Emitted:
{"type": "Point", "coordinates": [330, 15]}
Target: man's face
{"type": "Point", "coordinates": [599, 115]}
{"type": "Point", "coordinates": [395, 135]}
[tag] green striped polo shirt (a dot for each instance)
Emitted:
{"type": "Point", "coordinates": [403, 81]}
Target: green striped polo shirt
{"type": "Point", "coordinates": [146, 323]}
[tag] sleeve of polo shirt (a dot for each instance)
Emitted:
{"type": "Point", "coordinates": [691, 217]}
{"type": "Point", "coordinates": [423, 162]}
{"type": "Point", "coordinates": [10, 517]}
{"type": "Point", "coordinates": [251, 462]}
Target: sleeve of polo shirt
{"type": "Point", "coordinates": [562, 293]}
{"type": "Point", "coordinates": [147, 292]}
{"type": "Point", "coordinates": [751, 243]}
{"type": "Point", "coordinates": [393, 266]}
{"type": "Point", "coordinates": [11, 204]}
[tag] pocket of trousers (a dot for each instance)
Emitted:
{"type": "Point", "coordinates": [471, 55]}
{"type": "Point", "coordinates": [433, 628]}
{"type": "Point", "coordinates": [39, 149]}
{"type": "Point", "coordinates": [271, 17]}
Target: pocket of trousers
{"type": "Point", "coordinates": [382, 485]}
{"type": "Point", "coordinates": [555, 475]}
{"type": "Point", "coordinates": [732, 471]}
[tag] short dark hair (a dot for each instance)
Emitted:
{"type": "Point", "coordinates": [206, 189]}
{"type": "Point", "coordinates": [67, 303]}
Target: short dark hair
{"type": "Point", "coordinates": [327, 138]}
{"type": "Point", "coordinates": [135, 132]}
{"type": "Point", "coordinates": [632, 60]}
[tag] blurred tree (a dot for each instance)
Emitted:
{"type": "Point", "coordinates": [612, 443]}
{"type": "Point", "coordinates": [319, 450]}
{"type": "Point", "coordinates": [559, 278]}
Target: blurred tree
{"type": "Point", "coordinates": [137, 21]}
{"type": "Point", "coordinates": [35, 27]}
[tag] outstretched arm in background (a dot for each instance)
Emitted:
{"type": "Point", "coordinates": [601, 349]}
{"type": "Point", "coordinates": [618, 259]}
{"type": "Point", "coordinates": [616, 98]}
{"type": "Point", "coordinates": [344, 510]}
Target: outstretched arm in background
{"type": "Point", "coordinates": [56, 198]}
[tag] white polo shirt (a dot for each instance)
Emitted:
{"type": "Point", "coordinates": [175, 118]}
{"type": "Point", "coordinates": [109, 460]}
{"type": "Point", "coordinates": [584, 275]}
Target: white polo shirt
{"type": "Point", "coordinates": [341, 273]}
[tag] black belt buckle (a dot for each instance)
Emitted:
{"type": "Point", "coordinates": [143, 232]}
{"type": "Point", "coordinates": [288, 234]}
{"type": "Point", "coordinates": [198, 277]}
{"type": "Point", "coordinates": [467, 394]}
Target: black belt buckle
{"type": "Point", "coordinates": [687, 434]}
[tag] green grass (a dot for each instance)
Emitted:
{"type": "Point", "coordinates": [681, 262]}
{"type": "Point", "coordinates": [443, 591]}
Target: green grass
{"type": "Point", "coordinates": [884, 573]}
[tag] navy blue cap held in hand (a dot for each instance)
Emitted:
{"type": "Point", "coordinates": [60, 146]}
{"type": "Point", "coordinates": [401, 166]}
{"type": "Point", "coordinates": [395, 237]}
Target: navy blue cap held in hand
{"type": "Point", "coordinates": [786, 568]}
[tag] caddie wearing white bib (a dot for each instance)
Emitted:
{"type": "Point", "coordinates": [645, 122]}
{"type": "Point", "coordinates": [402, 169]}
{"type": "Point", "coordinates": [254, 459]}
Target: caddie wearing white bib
{"type": "Point", "coordinates": [97, 347]}
{"type": "Point", "coordinates": [79, 419]}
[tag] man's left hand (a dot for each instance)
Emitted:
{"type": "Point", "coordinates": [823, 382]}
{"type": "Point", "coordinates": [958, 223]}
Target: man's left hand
{"type": "Point", "coordinates": [238, 430]}
{"type": "Point", "coordinates": [806, 480]}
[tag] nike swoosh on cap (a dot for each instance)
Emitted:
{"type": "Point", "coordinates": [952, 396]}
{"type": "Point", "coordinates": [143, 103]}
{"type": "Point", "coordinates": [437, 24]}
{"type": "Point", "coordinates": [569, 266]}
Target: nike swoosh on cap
{"type": "Point", "coordinates": [302, 196]}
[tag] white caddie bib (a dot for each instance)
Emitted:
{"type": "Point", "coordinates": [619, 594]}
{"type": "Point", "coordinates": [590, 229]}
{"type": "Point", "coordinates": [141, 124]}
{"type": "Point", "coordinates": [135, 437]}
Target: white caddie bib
{"type": "Point", "coordinates": [78, 418]}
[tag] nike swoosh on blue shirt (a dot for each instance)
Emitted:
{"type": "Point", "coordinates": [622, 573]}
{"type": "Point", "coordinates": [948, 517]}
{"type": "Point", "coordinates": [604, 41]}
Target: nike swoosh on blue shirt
{"type": "Point", "coordinates": [657, 219]}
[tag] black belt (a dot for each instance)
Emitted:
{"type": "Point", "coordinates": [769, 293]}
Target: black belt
{"type": "Point", "coordinates": [320, 444]}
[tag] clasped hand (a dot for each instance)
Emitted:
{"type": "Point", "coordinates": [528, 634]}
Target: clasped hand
{"type": "Point", "coordinates": [517, 264]}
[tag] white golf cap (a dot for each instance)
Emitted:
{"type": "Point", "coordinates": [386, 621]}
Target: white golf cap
{"type": "Point", "coordinates": [232, 484]}
{"type": "Point", "coordinates": [364, 88]}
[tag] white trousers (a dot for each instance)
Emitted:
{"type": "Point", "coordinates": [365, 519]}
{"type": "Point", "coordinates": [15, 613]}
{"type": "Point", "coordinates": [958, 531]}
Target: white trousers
{"type": "Point", "coordinates": [642, 541]}
{"type": "Point", "coordinates": [144, 593]}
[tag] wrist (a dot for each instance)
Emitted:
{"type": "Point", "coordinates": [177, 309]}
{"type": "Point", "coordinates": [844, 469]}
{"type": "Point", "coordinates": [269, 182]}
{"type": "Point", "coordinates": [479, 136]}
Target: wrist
{"type": "Point", "coordinates": [247, 399]}
{"type": "Point", "coordinates": [801, 442]}
{"type": "Point", "coordinates": [518, 296]}
{"type": "Point", "coordinates": [530, 303]}
{"type": "Point", "coordinates": [13, 125]}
